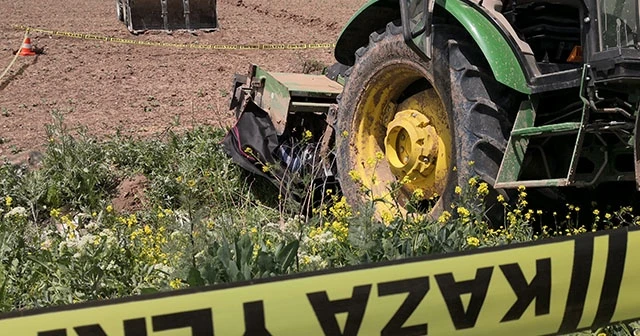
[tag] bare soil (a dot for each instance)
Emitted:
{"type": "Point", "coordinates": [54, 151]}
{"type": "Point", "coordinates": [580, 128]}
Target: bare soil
{"type": "Point", "coordinates": [143, 90]}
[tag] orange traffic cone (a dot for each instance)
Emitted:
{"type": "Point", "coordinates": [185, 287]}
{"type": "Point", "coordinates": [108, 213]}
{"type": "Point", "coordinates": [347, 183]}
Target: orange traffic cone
{"type": "Point", "coordinates": [27, 48]}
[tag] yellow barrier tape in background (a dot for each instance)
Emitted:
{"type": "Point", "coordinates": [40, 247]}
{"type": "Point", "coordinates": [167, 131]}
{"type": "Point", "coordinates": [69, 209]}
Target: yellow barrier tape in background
{"type": "Point", "coordinates": [184, 45]}
{"type": "Point", "coordinates": [549, 287]}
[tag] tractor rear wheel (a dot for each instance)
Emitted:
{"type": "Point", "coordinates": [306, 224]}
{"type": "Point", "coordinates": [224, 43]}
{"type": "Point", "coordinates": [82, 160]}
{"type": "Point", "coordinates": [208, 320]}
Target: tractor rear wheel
{"type": "Point", "coordinates": [419, 124]}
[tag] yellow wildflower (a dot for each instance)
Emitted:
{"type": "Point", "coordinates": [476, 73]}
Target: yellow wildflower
{"type": "Point", "coordinates": [131, 220]}
{"type": "Point", "coordinates": [387, 217]}
{"type": "Point", "coordinates": [418, 193]}
{"type": "Point", "coordinates": [521, 188]}
{"type": "Point", "coordinates": [66, 221]}
{"type": "Point", "coordinates": [596, 212]}
{"type": "Point", "coordinates": [419, 218]}
{"type": "Point", "coordinates": [483, 189]}
{"type": "Point", "coordinates": [179, 179]}
{"type": "Point", "coordinates": [444, 217]}
{"type": "Point", "coordinates": [254, 230]}
{"type": "Point", "coordinates": [109, 208]}
{"type": "Point", "coordinates": [345, 134]}
{"type": "Point", "coordinates": [355, 176]}
{"type": "Point", "coordinates": [307, 135]}
{"type": "Point", "coordinates": [473, 181]}
{"type": "Point", "coordinates": [607, 216]}
{"type": "Point", "coordinates": [175, 283]}
{"type": "Point", "coordinates": [458, 190]}
{"type": "Point", "coordinates": [500, 198]}
{"type": "Point", "coordinates": [265, 169]}
{"type": "Point", "coordinates": [147, 229]}
{"type": "Point", "coordinates": [473, 241]}
{"type": "Point", "coordinates": [8, 200]}
{"type": "Point", "coordinates": [55, 213]}
{"type": "Point", "coordinates": [463, 212]}
{"type": "Point", "coordinates": [340, 231]}
{"type": "Point", "coordinates": [471, 163]}
{"type": "Point", "coordinates": [191, 183]}
{"type": "Point", "coordinates": [379, 155]}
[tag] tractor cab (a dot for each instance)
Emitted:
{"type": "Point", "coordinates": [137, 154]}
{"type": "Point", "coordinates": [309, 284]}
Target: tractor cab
{"type": "Point", "coordinates": [613, 46]}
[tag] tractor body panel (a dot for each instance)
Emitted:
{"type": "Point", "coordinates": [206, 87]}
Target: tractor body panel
{"type": "Point", "coordinates": [283, 94]}
{"type": "Point", "coordinates": [505, 55]}
{"type": "Point", "coordinates": [506, 59]}
{"type": "Point", "coordinates": [372, 16]}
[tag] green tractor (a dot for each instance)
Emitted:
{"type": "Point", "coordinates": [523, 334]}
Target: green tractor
{"type": "Point", "coordinates": [540, 94]}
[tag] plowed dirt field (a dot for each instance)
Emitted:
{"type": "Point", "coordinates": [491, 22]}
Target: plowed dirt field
{"type": "Point", "coordinates": [143, 90]}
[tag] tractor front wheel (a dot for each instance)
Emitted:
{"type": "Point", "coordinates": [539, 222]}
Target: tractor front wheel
{"type": "Point", "coordinates": [407, 127]}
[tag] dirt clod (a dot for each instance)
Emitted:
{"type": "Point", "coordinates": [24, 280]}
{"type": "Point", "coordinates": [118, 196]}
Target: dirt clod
{"type": "Point", "coordinates": [131, 194]}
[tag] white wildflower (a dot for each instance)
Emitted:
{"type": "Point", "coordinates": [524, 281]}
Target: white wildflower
{"type": "Point", "coordinates": [16, 212]}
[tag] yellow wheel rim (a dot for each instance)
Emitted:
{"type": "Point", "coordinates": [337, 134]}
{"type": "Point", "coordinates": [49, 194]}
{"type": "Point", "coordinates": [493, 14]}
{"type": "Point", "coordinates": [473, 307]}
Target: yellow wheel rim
{"type": "Point", "coordinates": [407, 142]}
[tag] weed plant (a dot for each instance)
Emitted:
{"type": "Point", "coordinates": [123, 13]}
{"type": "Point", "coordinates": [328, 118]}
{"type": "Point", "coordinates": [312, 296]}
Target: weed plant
{"type": "Point", "coordinates": [204, 221]}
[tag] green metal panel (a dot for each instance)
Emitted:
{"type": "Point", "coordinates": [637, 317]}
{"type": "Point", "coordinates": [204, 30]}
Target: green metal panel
{"type": "Point", "coordinates": [516, 147]}
{"type": "Point", "coordinates": [501, 57]}
{"type": "Point", "coordinates": [547, 129]}
{"type": "Point", "coordinates": [274, 97]}
{"type": "Point", "coordinates": [280, 94]}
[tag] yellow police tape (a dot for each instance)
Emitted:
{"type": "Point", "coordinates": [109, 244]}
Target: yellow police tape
{"type": "Point", "coordinates": [294, 46]}
{"type": "Point", "coordinates": [549, 287]}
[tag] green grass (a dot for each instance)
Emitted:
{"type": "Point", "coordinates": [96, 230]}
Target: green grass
{"type": "Point", "coordinates": [202, 220]}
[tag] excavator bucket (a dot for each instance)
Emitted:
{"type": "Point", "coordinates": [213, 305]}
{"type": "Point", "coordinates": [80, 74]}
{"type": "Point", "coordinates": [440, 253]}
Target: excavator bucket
{"type": "Point", "coordinates": [168, 15]}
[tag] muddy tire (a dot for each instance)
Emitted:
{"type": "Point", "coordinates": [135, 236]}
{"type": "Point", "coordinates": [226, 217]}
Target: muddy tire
{"type": "Point", "coordinates": [473, 127]}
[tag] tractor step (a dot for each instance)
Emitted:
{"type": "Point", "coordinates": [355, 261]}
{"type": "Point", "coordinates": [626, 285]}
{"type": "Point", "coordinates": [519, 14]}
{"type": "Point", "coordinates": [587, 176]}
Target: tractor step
{"type": "Point", "coordinates": [555, 129]}
{"type": "Point", "coordinates": [514, 156]}
{"type": "Point", "coordinates": [559, 182]}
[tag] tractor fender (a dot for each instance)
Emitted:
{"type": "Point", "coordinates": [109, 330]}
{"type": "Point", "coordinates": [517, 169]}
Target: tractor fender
{"type": "Point", "coordinates": [508, 57]}
{"type": "Point", "coordinates": [372, 16]}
